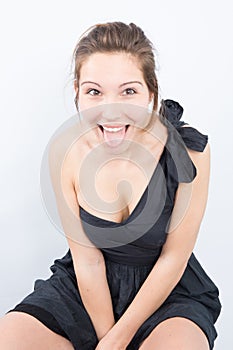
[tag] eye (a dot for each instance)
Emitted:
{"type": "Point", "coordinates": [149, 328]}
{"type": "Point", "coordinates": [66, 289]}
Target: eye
{"type": "Point", "coordinates": [129, 91]}
{"type": "Point", "coordinates": [93, 92]}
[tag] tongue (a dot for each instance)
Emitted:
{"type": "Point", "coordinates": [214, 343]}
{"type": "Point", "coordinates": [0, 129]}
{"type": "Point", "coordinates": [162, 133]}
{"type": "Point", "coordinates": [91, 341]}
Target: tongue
{"type": "Point", "coordinates": [114, 139]}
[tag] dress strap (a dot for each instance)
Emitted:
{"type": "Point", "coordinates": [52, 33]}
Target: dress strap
{"type": "Point", "coordinates": [181, 137]}
{"type": "Point", "coordinates": [171, 113]}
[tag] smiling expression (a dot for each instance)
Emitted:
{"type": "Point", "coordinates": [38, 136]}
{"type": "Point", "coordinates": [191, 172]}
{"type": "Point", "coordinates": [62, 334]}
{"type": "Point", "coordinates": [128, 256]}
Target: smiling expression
{"type": "Point", "coordinates": [112, 86]}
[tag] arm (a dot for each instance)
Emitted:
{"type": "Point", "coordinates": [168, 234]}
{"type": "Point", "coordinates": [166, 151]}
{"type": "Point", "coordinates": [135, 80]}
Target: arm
{"type": "Point", "coordinates": [89, 264]}
{"type": "Point", "coordinates": [174, 257]}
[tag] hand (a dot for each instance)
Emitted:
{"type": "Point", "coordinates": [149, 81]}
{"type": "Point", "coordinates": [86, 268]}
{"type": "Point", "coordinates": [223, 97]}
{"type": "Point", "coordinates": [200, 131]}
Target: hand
{"type": "Point", "coordinates": [106, 345]}
{"type": "Point", "coordinates": [111, 342]}
{"type": "Point", "coordinates": [117, 338]}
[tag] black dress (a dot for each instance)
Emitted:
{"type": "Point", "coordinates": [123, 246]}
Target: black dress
{"type": "Point", "coordinates": [56, 302]}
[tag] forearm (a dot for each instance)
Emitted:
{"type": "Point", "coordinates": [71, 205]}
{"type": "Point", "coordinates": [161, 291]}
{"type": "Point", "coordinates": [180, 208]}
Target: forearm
{"type": "Point", "coordinates": [95, 294]}
{"type": "Point", "coordinates": [154, 291]}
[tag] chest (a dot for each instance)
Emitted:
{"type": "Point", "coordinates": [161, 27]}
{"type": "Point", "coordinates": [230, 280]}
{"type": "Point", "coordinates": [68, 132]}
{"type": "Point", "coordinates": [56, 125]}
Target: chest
{"type": "Point", "coordinates": [113, 190]}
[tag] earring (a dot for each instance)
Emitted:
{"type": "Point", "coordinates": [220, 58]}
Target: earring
{"type": "Point", "coordinates": [150, 105]}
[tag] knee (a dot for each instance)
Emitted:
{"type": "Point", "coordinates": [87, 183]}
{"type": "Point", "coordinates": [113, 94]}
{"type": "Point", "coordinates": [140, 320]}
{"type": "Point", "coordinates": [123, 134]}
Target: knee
{"type": "Point", "coordinates": [6, 331]}
{"type": "Point", "coordinates": [19, 330]}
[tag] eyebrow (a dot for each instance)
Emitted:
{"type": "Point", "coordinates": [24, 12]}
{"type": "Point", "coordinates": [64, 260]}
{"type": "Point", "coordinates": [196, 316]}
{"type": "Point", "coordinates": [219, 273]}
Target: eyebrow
{"type": "Point", "coordinates": [126, 83]}
{"type": "Point", "coordinates": [131, 82]}
{"type": "Point", "coordinates": [90, 82]}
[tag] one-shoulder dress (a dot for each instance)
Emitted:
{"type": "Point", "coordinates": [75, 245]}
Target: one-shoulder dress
{"type": "Point", "coordinates": [56, 301]}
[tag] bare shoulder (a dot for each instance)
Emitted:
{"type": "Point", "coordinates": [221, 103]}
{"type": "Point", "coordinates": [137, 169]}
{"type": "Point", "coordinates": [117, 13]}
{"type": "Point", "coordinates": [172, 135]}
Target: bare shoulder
{"type": "Point", "coordinates": [199, 157]}
{"type": "Point", "coordinates": [64, 142]}
{"type": "Point", "coordinates": [65, 149]}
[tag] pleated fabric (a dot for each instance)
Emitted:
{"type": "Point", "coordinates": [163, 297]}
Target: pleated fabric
{"type": "Point", "coordinates": [131, 248]}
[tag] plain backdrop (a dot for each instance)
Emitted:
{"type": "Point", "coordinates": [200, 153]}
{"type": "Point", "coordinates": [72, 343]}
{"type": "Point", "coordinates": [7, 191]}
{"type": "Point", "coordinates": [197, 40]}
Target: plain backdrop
{"type": "Point", "coordinates": [194, 52]}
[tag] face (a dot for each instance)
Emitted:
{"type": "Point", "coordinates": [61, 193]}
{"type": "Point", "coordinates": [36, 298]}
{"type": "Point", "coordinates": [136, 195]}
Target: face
{"type": "Point", "coordinates": [113, 97]}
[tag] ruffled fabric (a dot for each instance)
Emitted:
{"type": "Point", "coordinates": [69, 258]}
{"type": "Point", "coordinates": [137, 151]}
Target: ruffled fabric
{"type": "Point", "coordinates": [181, 137]}
{"type": "Point", "coordinates": [171, 113]}
{"type": "Point", "coordinates": [57, 302]}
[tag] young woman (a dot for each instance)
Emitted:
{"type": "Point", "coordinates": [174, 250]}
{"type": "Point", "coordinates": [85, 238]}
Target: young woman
{"type": "Point", "coordinates": [131, 185]}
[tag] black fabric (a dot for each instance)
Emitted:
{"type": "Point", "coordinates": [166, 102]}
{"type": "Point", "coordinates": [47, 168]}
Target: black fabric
{"type": "Point", "coordinates": [171, 113]}
{"type": "Point", "coordinates": [128, 264]}
{"type": "Point", "coordinates": [42, 315]}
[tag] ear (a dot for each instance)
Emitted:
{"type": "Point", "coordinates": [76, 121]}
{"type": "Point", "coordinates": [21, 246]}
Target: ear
{"type": "Point", "coordinates": [151, 102]}
{"type": "Point", "coordinates": [151, 97]}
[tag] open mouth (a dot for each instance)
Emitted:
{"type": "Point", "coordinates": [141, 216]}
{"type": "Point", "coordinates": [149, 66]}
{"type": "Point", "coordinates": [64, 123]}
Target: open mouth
{"type": "Point", "coordinates": [113, 134]}
{"type": "Point", "coordinates": [112, 128]}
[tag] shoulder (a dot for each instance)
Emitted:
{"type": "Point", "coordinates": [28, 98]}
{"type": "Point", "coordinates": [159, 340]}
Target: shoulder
{"type": "Point", "coordinates": [62, 142]}
{"type": "Point", "coordinates": [171, 113]}
{"type": "Point", "coordinates": [64, 153]}
{"type": "Point", "coordinates": [198, 149]}
{"type": "Point", "coordinates": [201, 161]}
{"type": "Point", "coordinates": [199, 152]}
{"type": "Point", "coordinates": [189, 147]}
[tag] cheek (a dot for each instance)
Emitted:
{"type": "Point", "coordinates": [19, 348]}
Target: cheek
{"type": "Point", "coordinates": [143, 99]}
{"type": "Point", "coordinates": [86, 102]}
{"type": "Point", "coordinates": [138, 113]}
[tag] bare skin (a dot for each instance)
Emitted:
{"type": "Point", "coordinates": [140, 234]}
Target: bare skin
{"type": "Point", "coordinates": [176, 334]}
{"type": "Point", "coordinates": [20, 331]}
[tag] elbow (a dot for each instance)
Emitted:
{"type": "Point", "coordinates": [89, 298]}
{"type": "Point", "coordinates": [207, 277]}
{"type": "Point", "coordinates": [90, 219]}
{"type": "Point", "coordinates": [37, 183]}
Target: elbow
{"type": "Point", "coordinates": [175, 266]}
{"type": "Point", "coordinates": [89, 272]}
{"type": "Point", "coordinates": [90, 264]}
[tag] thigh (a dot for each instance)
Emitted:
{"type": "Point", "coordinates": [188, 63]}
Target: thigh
{"type": "Point", "coordinates": [21, 331]}
{"type": "Point", "coordinates": [176, 333]}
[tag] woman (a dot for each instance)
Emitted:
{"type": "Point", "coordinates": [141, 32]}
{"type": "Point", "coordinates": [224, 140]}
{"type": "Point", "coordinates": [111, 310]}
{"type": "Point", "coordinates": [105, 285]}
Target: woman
{"type": "Point", "coordinates": [131, 187]}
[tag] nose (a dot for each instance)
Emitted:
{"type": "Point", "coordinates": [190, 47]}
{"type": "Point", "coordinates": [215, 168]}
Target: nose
{"type": "Point", "coordinates": [112, 112]}
{"type": "Point", "coordinates": [110, 98]}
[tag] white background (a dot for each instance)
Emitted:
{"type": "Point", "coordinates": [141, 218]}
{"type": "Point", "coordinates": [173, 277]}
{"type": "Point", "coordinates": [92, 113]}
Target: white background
{"type": "Point", "coordinates": [37, 38]}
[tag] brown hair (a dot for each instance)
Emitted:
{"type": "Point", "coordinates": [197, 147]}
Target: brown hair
{"type": "Point", "coordinates": [118, 37]}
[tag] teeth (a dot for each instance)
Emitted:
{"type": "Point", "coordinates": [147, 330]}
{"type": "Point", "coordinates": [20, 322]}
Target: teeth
{"type": "Point", "coordinates": [113, 129]}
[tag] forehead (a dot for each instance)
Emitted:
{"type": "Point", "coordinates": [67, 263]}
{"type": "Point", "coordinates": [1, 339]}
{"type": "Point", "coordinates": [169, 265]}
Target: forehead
{"type": "Point", "coordinates": [111, 65]}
